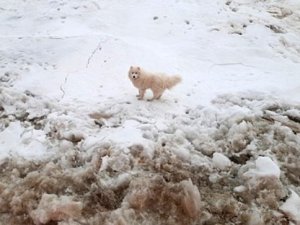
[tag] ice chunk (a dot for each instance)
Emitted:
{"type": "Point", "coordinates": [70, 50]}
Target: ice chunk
{"type": "Point", "coordinates": [292, 207]}
{"type": "Point", "coordinates": [220, 161]}
{"type": "Point", "coordinates": [191, 201]}
{"type": "Point", "coordinates": [265, 167]}
{"type": "Point", "coordinates": [240, 188]}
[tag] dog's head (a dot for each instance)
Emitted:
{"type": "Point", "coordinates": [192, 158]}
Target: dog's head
{"type": "Point", "coordinates": [134, 73]}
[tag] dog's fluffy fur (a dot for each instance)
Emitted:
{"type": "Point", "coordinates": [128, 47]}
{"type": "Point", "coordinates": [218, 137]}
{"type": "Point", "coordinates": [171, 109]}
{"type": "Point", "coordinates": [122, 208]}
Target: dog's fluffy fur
{"type": "Point", "coordinates": [157, 82]}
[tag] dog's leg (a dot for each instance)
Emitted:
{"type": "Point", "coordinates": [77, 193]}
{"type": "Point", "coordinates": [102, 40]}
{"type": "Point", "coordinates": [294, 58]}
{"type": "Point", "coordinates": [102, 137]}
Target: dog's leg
{"type": "Point", "coordinates": [156, 94]}
{"type": "Point", "coordinates": [158, 97]}
{"type": "Point", "coordinates": [141, 94]}
{"type": "Point", "coordinates": [159, 94]}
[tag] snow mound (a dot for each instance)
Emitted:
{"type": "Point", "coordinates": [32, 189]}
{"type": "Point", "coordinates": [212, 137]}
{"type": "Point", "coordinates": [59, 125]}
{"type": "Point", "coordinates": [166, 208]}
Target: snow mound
{"type": "Point", "coordinates": [180, 174]}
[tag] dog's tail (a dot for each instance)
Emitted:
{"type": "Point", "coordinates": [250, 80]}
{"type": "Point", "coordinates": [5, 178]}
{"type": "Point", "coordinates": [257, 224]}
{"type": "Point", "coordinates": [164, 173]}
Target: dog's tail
{"type": "Point", "coordinates": [172, 81]}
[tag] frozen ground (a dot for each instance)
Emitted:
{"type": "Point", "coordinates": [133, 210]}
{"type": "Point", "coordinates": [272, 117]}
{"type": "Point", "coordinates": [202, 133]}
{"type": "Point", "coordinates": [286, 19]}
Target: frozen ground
{"type": "Point", "coordinates": [77, 147]}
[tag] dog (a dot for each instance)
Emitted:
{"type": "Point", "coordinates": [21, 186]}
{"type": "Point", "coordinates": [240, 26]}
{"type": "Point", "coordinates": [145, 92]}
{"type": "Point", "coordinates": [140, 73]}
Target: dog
{"type": "Point", "coordinates": [157, 82]}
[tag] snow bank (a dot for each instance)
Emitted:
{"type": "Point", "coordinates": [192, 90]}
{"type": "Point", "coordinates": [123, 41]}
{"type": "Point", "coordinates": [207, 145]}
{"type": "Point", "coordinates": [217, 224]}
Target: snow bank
{"type": "Point", "coordinates": [188, 177]}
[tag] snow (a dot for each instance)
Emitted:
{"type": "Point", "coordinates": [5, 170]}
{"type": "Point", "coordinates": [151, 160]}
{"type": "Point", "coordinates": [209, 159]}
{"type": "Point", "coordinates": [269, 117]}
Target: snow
{"type": "Point", "coordinates": [231, 124]}
{"type": "Point", "coordinates": [240, 188]}
{"type": "Point", "coordinates": [27, 143]}
{"type": "Point", "coordinates": [52, 207]}
{"type": "Point", "coordinates": [128, 133]}
{"type": "Point", "coordinates": [292, 207]}
{"type": "Point", "coordinates": [220, 161]}
{"type": "Point", "coordinates": [192, 200]}
{"type": "Point", "coordinates": [264, 167]}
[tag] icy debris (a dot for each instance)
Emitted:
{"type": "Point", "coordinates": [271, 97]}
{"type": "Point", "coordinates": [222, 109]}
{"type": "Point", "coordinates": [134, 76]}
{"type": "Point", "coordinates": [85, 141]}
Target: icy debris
{"type": "Point", "coordinates": [223, 203]}
{"type": "Point", "coordinates": [145, 151]}
{"type": "Point", "coordinates": [161, 126]}
{"type": "Point", "coordinates": [52, 207]}
{"type": "Point", "coordinates": [104, 163]}
{"type": "Point", "coordinates": [178, 145]}
{"type": "Point", "coordinates": [99, 115]}
{"type": "Point", "coordinates": [265, 167]}
{"type": "Point", "coordinates": [205, 145]}
{"type": "Point", "coordinates": [220, 161]}
{"type": "Point", "coordinates": [24, 107]}
{"type": "Point", "coordinates": [214, 178]}
{"type": "Point", "coordinates": [191, 201]}
{"type": "Point", "coordinates": [240, 188]}
{"type": "Point", "coordinates": [119, 162]}
{"type": "Point", "coordinates": [182, 153]}
{"type": "Point", "coordinates": [116, 182]}
{"type": "Point", "coordinates": [122, 176]}
{"type": "Point", "coordinates": [293, 114]}
{"type": "Point", "coordinates": [263, 176]}
{"type": "Point", "coordinates": [25, 142]}
{"type": "Point", "coordinates": [239, 135]}
{"type": "Point", "coordinates": [163, 198]}
{"type": "Point", "coordinates": [128, 133]}
{"type": "Point", "coordinates": [200, 160]}
{"type": "Point", "coordinates": [73, 136]}
{"type": "Point", "coordinates": [292, 207]}
{"type": "Point", "coordinates": [66, 126]}
{"type": "Point", "coordinates": [8, 78]}
{"type": "Point", "coordinates": [255, 218]}
{"type": "Point", "coordinates": [279, 12]}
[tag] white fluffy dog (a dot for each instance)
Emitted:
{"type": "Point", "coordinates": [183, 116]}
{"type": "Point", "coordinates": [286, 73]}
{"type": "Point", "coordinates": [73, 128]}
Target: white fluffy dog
{"type": "Point", "coordinates": [157, 82]}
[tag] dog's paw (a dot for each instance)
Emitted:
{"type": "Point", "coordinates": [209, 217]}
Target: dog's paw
{"type": "Point", "coordinates": [137, 95]}
{"type": "Point", "coordinates": [139, 98]}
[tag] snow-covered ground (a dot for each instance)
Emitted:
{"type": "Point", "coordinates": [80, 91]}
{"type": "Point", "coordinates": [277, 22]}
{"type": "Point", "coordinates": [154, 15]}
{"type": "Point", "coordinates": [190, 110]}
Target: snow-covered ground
{"type": "Point", "coordinates": [77, 147]}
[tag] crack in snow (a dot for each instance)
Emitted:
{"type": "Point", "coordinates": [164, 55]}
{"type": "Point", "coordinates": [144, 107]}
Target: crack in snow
{"type": "Point", "coordinates": [62, 88]}
{"type": "Point", "coordinates": [93, 53]}
{"type": "Point", "coordinates": [96, 5]}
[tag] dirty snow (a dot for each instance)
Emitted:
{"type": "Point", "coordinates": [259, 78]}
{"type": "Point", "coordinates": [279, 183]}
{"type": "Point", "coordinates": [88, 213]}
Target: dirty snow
{"type": "Point", "coordinates": [77, 147]}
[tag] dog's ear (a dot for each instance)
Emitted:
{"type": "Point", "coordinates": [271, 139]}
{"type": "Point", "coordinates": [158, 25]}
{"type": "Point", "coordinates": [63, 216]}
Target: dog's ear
{"type": "Point", "coordinates": [131, 67]}
{"type": "Point", "coordinates": [138, 68]}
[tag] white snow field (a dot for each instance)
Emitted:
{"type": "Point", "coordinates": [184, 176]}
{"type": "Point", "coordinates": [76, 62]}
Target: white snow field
{"type": "Point", "coordinates": [77, 147]}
